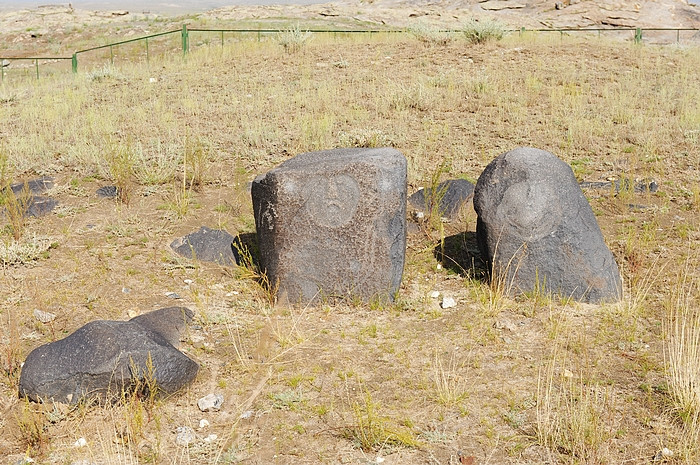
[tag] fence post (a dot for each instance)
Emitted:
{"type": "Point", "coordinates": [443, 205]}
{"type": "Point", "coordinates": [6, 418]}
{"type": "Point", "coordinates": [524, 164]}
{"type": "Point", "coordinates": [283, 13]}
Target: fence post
{"type": "Point", "coordinates": [148, 58]}
{"type": "Point", "coordinates": [74, 63]}
{"type": "Point", "coordinates": [522, 31]}
{"type": "Point", "coordinates": [111, 55]}
{"type": "Point", "coordinates": [222, 39]}
{"type": "Point", "coordinates": [678, 36]}
{"type": "Point", "coordinates": [36, 65]}
{"type": "Point", "coordinates": [2, 72]}
{"type": "Point", "coordinates": [638, 35]}
{"type": "Point", "coordinates": [185, 40]}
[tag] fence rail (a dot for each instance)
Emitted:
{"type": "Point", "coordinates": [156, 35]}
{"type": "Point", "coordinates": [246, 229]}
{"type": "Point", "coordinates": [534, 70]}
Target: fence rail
{"type": "Point", "coordinates": [185, 39]}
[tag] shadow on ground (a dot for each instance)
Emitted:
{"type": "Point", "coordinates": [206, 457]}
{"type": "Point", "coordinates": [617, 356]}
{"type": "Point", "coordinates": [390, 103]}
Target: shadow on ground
{"type": "Point", "coordinates": [460, 253]}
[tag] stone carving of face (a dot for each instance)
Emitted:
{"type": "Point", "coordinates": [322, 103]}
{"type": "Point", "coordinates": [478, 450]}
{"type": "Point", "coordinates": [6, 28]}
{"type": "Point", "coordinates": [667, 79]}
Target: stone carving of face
{"type": "Point", "coordinates": [332, 201]}
{"type": "Point", "coordinates": [536, 215]}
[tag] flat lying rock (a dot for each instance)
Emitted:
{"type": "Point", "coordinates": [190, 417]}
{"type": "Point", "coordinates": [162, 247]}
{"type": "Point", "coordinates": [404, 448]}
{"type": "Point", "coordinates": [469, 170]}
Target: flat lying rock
{"type": "Point", "coordinates": [107, 192]}
{"type": "Point", "coordinates": [40, 205]}
{"type": "Point", "coordinates": [535, 227]}
{"type": "Point", "coordinates": [450, 196]}
{"type": "Point", "coordinates": [209, 245]}
{"type": "Point", "coordinates": [30, 199]}
{"type": "Point", "coordinates": [103, 358]}
{"type": "Point", "coordinates": [647, 185]}
{"type": "Point", "coordinates": [332, 224]}
{"type": "Point", "coordinates": [35, 186]}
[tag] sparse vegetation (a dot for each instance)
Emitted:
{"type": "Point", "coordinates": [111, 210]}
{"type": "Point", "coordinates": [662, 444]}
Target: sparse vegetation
{"type": "Point", "coordinates": [482, 31]}
{"type": "Point", "coordinates": [439, 385]}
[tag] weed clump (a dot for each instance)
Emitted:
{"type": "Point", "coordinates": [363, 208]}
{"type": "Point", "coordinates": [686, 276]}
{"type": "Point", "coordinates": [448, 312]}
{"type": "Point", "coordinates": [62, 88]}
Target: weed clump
{"type": "Point", "coordinates": [293, 39]}
{"type": "Point", "coordinates": [430, 35]}
{"type": "Point", "coordinates": [480, 32]}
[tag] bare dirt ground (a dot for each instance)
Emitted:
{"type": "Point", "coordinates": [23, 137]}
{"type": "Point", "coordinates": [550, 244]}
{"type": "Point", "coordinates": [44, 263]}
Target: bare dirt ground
{"type": "Point", "coordinates": [532, 380]}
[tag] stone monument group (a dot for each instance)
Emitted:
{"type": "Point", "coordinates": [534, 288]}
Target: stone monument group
{"type": "Point", "coordinates": [332, 225]}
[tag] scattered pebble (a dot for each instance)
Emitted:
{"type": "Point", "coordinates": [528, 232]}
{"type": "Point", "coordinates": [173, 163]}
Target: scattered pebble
{"type": "Point", "coordinates": [185, 436]}
{"type": "Point", "coordinates": [81, 442]}
{"type": "Point", "coordinates": [380, 459]}
{"type": "Point", "coordinates": [439, 266]}
{"type": "Point", "coordinates": [125, 290]}
{"type": "Point", "coordinates": [666, 452]}
{"type": "Point", "coordinates": [568, 374]}
{"type": "Point", "coordinates": [211, 438]}
{"type": "Point", "coordinates": [172, 295]}
{"type": "Point", "coordinates": [505, 324]}
{"type": "Point", "coordinates": [434, 294]}
{"type": "Point", "coordinates": [188, 281]}
{"type": "Point", "coordinates": [247, 414]}
{"type": "Point", "coordinates": [203, 423]}
{"type": "Point", "coordinates": [44, 317]}
{"type": "Point", "coordinates": [152, 80]}
{"type": "Point", "coordinates": [448, 302]}
{"type": "Point", "coordinates": [210, 402]}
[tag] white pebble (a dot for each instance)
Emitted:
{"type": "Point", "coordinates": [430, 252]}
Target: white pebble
{"type": "Point", "coordinates": [188, 281]}
{"type": "Point", "coordinates": [211, 438]}
{"type": "Point", "coordinates": [666, 452]}
{"type": "Point", "coordinates": [434, 294]}
{"type": "Point", "coordinates": [448, 302]}
{"type": "Point", "coordinates": [185, 436]}
{"type": "Point", "coordinates": [210, 402]}
{"type": "Point", "coordinates": [80, 443]}
{"type": "Point", "coordinates": [203, 423]}
{"type": "Point", "coordinates": [44, 317]}
{"type": "Point", "coordinates": [247, 414]}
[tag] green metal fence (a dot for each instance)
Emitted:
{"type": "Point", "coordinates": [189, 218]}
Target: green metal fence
{"type": "Point", "coordinates": [184, 33]}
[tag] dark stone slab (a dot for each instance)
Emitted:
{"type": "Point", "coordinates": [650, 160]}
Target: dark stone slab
{"type": "Point", "coordinates": [646, 185]}
{"type": "Point", "coordinates": [534, 224]}
{"type": "Point", "coordinates": [107, 192]}
{"type": "Point", "coordinates": [40, 206]}
{"type": "Point", "coordinates": [332, 224]}
{"type": "Point", "coordinates": [103, 358]}
{"type": "Point", "coordinates": [209, 245]}
{"type": "Point", "coordinates": [450, 197]}
{"type": "Point", "coordinates": [35, 186]}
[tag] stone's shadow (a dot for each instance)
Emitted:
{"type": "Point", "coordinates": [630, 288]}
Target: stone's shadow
{"type": "Point", "coordinates": [460, 254]}
{"type": "Point", "coordinates": [246, 251]}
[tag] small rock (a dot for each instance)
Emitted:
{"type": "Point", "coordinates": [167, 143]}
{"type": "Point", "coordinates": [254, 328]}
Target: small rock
{"type": "Point", "coordinates": [21, 460]}
{"type": "Point", "coordinates": [152, 80]}
{"type": "Point", "coordinates": [126, 290]}
{"type": "Point", "coordinates": [173, 295]}
{"type": "Point", "coordinates": [5, 63]}
{"type": "Point", "coordinates": [210, 402]}
{"type": "Point", "coordinates": [203, 423]}
{"type": "Point", "coordinates": [505, 324]}
{"type": "Point", "coordinates": [44, 317]}
{"type": "Point", "coordinates": [448, 302]}
{"type": "Point", "coordinates": [434, 294]}
{"type": "Point", "coordinates": [185, 436]}
{"type": "Point", "coordinates": [666, 452]}
{"type": "Point", "coordinates": [380, 459]}
{"type": "Point", "coordinates": [211, 438]}
{"type": "Point", "coordinates": [209, 245]}
{"type": "Point", "coordinates": [35, 186]}
{"type": "Point", "coordinates": [188, 281]}
{"type": "Point", "coordinates": [247, 414]}
{"type": "Point", "coordinates": [40, 206]}
{"type": "Point", "coordinates": [568, 374]}
{"type": "Point", "coordinates": [81, 442]}
{"type": "Point", "coordinates": [107, 192]}
{"type": "Point", "coordinates": [448, 199]}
